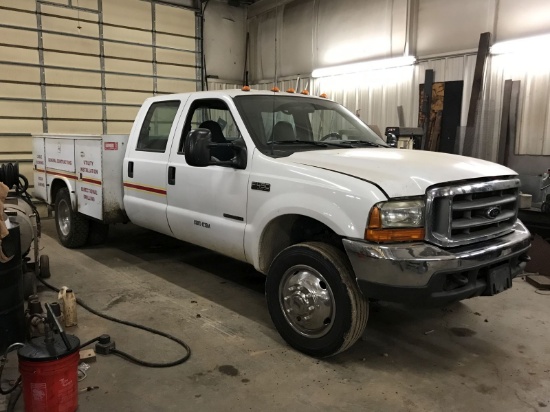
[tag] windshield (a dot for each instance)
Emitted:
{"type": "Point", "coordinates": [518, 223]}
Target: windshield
{"type": "Point", "coordinates": [281, 125]}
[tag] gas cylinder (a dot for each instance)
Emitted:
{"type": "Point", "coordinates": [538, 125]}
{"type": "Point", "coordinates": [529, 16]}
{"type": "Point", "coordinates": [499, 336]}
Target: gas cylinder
{"type": "Point", "coordinates": [12, 301]}
{"type": "Point", "coordinates": [49, 372]}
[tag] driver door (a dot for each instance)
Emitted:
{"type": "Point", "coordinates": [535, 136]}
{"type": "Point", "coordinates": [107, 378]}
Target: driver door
{"type": "Point", "coordinates": [207, 205]}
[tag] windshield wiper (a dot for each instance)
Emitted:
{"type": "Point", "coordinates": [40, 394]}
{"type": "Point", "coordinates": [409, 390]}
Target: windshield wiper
{"type": "Point", "coordinates": [310, 142]}
{"type": "Point", "coordinates": [360, 142]}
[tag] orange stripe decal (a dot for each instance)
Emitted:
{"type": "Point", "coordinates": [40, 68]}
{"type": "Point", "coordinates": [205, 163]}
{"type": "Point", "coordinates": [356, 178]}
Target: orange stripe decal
{"type": "Point", "coordinates": [67, 175]}
{"type": "Point", "coordinates": [149, 189]}
{"type": "Point", "coordinates": [91, 181]}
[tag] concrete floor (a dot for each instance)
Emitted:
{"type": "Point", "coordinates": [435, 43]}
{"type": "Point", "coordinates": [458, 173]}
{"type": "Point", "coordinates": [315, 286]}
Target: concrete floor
{"type": "Point", "coordinates": [490, 354]}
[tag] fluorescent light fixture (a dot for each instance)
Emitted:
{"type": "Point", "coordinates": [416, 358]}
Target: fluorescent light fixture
{"type": "Point", "coordinates": [535, 44]}
{"type": "Point", "coordinates": [364, 66]}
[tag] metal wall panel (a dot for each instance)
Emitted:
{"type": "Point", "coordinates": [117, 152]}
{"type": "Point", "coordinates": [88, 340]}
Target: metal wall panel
{"type": "Point", "coordinates": [17, 73]}
{"type": "Point", "coordinates": [174, 20]}
{"type": "Point", "coordinates": [120, 33]}
{"type": "Point", "coordinates": [63, 126]}
{"type": "Point", "coordinates": [17, 54]}
{"type": "Point", "coordinates": [113, 81]}
{"type": "Point", "coordinates": [131, 13]}
{"type": "Point", "coordinates": [25, 91]}
{"type": "Point", "coordinates": [122, 113]}
{"type": "Point", "coordinates": [70, 60]}
{"type": "Point", "coordinates": [71, 77]}
{"type": "Point", "coordinates": [85, 66]}
{"type": "Point", "coordinates": [166, 86]}
{"type": "Point", "coordinates": [71, 94]}
{"type": "Point", "coordinates": [19, 4]}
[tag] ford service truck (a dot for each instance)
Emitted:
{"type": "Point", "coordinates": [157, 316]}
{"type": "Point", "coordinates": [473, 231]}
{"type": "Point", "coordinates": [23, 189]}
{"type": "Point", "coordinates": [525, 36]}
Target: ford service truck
{"type": "Point", "coordinates": [303, 190]}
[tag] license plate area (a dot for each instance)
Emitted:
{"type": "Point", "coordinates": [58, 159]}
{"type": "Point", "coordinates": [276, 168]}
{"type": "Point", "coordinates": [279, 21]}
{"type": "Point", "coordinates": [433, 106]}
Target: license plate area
{"type": "Point", "coordinates": [499, 279]}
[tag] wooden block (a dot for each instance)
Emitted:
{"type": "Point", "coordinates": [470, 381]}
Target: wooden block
{"type": "Point", "coordinates": [539, 281]}
{"type": "Point", "coordinates": [87, 355]}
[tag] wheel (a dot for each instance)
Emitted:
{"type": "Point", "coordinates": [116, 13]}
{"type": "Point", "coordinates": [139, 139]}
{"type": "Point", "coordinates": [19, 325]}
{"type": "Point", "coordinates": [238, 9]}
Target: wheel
{"type": "Point", "coordinates": [72, 227]}
{"type": "Point", "coordinates": [313, 300]}
{"type": "Point", "coordinates": [29, 284]}
{"type": "Point", "coordinates": [45, 267]}
{"type": "Point", "coordinates": [98, 233]}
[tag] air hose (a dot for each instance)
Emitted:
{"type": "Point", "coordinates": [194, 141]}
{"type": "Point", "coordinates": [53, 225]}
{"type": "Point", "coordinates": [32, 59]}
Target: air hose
{"type": "Point", "coordinates": [108, 347]}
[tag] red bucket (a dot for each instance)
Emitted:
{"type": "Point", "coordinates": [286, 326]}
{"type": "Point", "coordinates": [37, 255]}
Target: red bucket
{"type": "Point", "coordinates": [50, 385]}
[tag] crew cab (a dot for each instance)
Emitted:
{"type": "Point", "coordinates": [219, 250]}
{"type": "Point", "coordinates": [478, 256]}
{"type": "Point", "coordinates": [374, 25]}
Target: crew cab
{"type": "Point", "coordinates": [304, 191]}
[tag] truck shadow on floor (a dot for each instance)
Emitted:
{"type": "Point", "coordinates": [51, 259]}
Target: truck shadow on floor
{"type": "Point", "coordinates": [412, 337]}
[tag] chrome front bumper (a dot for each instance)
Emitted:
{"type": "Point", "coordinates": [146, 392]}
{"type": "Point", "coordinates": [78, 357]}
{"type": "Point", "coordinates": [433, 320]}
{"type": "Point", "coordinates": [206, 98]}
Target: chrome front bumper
{"type": "Point", "coordinates": [413, 265]}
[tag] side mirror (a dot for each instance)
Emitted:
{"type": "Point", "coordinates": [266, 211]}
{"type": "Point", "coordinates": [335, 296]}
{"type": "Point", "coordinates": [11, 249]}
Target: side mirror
{"type": "Point", "coordinates": [391, 140]}
{"type": "Point", "coordinates": [197, 147]}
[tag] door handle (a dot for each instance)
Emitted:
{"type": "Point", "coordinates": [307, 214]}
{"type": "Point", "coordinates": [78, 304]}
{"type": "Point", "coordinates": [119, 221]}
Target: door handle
{"type": "Point", "coordinates": [171, 175]}
{"type": "Point", "coordinates": [130, 169]}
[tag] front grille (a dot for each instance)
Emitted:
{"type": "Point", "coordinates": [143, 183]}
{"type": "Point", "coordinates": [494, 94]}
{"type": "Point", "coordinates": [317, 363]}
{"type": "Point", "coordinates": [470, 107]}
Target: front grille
{"type": "Point", "coordinates": [471, 212]}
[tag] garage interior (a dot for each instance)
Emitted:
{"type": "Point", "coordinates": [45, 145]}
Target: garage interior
{"type": "Point", "coordinates": [468, 78]}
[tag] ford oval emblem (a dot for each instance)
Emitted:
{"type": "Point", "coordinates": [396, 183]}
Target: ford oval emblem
{"type": "Point", "coordinates": [492, 212]}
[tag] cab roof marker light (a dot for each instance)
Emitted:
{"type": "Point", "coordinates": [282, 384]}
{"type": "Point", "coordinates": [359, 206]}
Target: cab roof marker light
{"type": "Point", "coordinates": [526, 45]}
{"type": "Point", "coordinates": [364, 66]}
{"type": "Point", "coordinates": [305, 92]}
{"type": "Point", "coordinates": [291, 90]}
{"type": "Point", "coordinates": [245, 88]}
{"type": "Point", "coordinates": [275, 89]}
{"type": "Point", "coordinates": [323, 96]}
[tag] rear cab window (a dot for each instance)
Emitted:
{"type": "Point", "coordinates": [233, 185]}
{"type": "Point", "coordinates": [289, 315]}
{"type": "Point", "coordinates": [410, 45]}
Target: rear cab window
{"type": "Point", "coordinates": [156, 127]}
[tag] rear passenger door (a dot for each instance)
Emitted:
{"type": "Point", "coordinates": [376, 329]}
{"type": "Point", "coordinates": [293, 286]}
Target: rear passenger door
{"type": "Point", "coordinates": [146, 163]}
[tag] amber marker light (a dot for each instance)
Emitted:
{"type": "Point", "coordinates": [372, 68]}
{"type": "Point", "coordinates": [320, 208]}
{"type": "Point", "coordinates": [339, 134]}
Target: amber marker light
{"type": "Point", "coordinates": [291, 90]}
{"type": "Point", "coordinates": [374, 232]}
{"type": "Point", "coordinates": [305, 92]}
{"type": "Point", "coordinates": [323, 95]}
{"type": "Point", "coordinates": [246, 88]}
{"type": "Point", "coordinates": [275, 89]}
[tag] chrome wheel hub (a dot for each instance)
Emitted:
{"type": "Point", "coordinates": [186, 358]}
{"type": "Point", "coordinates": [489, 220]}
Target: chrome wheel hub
{"type": "Point", "coordinates": [307, 301]}
{"type": "Point", "coordinates": [64, 217]}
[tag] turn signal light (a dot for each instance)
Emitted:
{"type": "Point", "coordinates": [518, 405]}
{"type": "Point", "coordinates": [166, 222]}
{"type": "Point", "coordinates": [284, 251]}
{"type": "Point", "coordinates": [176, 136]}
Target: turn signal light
{"type": "Point", "coordinates": [394, 235]}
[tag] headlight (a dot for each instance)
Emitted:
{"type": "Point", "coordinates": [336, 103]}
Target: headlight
{"type": "Point", "coordinates": [396, 221]}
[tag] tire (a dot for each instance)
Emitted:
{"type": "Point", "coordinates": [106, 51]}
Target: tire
{"type": "Point", "coordinates": [45, 267]}
{"type": "Point", "coordinates": [98, 233]}
{"type": "Point", "coordinates": [72, 227]}
{"type": "Point", "coordinates": [315, 280]}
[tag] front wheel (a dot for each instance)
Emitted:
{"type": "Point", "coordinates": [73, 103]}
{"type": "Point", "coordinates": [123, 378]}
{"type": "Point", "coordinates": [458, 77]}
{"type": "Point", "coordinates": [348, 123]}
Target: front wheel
{"type": "Point", "coordinates": [72, 227]}
{"type": "Point", "coordinates": [313, 300]}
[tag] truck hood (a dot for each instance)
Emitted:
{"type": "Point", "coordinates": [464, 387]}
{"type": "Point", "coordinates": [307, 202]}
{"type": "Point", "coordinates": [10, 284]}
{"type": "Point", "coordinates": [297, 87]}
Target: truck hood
{"type": "Point", "coordinates": [400, 172]}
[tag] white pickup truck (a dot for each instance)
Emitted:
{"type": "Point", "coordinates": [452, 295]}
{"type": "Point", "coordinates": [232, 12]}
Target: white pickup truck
{"type": "Point", "coordinates": [303, 190]}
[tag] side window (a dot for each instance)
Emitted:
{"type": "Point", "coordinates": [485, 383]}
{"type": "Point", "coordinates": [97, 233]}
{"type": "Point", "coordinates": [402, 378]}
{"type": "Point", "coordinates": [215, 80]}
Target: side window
{"type": "Point", "coordinates": [155, 129]}
{"type": "Point", "coordinates": [214, 115]}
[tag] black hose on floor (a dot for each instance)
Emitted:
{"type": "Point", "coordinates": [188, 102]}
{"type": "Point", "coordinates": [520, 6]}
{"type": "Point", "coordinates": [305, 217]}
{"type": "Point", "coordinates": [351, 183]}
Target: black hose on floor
{"type": "Point", "coordinates": [125, 355]}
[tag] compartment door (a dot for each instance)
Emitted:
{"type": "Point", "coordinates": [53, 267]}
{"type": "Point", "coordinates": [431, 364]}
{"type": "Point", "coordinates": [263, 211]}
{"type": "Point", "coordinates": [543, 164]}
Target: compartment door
{"type": "Point", "coordinates": [89, 188]}
{"type": "Point", "coordinates": [39, 168]}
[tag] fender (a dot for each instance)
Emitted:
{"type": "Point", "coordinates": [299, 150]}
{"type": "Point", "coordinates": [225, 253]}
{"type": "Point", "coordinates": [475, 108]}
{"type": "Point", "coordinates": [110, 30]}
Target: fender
{"type": "Point", "coordinates": [62, 180]}
{"type": "Point", "coordinates": [344, 210]}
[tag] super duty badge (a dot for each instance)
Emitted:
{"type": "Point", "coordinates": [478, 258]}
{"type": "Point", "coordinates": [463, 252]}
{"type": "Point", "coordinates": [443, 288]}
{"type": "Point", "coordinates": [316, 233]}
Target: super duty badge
{"type": "Point", "coordinates": [264, 187]}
